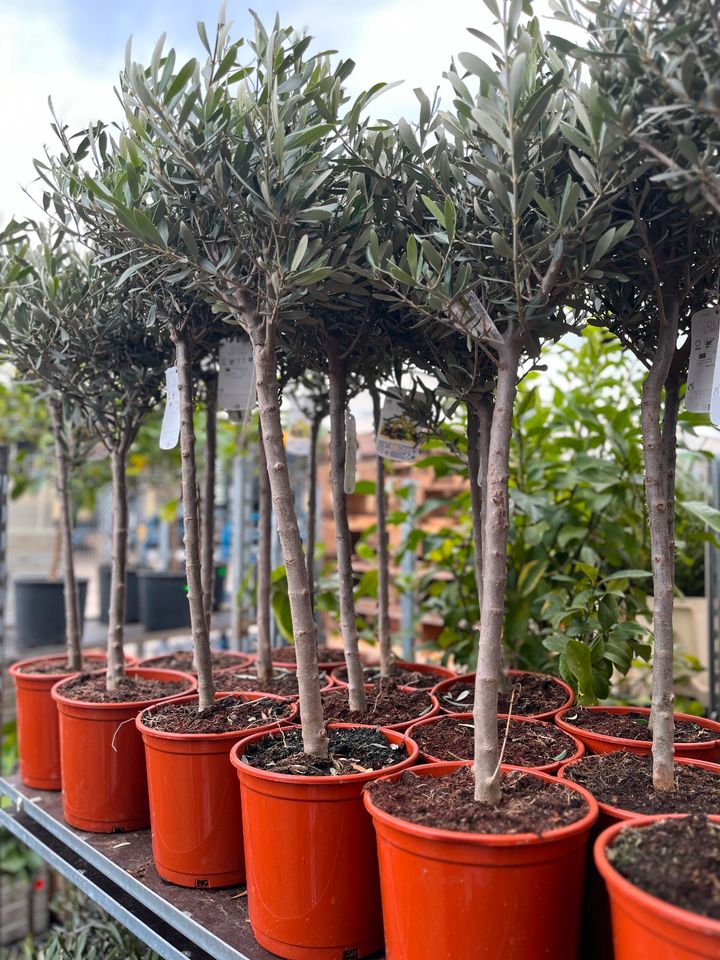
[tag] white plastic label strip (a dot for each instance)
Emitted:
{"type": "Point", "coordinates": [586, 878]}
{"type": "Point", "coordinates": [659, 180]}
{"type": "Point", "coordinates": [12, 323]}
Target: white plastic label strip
{"type": "Point", "coordinates": [702, 371]}
{"type": "Point", "coordinates": [170, 430]}
{"type": "Point", "coordinates": [236, 384]}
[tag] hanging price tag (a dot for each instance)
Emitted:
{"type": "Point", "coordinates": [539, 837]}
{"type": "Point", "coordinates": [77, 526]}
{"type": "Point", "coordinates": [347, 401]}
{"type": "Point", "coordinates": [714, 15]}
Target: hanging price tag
{"type": "Point", "coordinates": [702, 370]}
{"type": "Point", "coordinates": [236, 376]}
{"type": "Point", "coordinates": [350, 452]}
{"type": "Point", "coordinates": [170, 430]}
{"type": "Point", "coordinates": [398, 437]}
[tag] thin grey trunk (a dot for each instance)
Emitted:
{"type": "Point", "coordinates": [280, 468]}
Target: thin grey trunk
{"type": "Point", "coordinates": [191, 523]}
{"type": "Point", "coordinates": [479, 421]}
{"type": "Point", "coordinates": [312, 504]}
{"type": "Point", "coordinates": [70, 589]}
{"type": "Point", "coordinates": [383, 553]}
{"type": "Point", "coordinates": [348, 625]}
{"type": "Point", "coordinates": [656, 493]}
{"type": "Point", "coordinates": [304, 628]}
{"type": "Point", "coordinates": [263, 662]}
{"type": "Point", "coordinates": [494, 575]}
{"type": "Point", "coordinates": [208, 520]}
{"type": "Point", "coordinates": [118, 571]}
{"type": "Point", "coordinates": [671, 410]}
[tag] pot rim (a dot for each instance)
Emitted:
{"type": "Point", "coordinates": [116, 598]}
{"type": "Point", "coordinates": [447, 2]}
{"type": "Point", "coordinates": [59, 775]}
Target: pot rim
{"type": "Point", "coordinates": [147, 661]}
{"type": "Point", "coordinates": [485, 839]}
{"type": "Point", "coordinates": [616, 709]}
{"type": "Point", "coordinates": [629, 891]}
{"type": "Point", "coordinates": [543, 768]}
{"type": "Point", "coordinates": [470, 678]}
{"type": "Point", "coordinates": [15, 671]}
{"type": "Point", "coordinates": [396, 736]}
{"type": "Point", "coordinates": [229, 734]}
{"type": "Point", "coordinates": [622, 813]}
{"type": "Point", "coordinates": [174, 675]}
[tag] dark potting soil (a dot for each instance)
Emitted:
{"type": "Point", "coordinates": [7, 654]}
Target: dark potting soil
{"type": "Point", "coordinates": [528, 744]}
{"type": "Point", "coordinates": [325, 655]}
{"type": "Point", "coordinates": [675, 860]}
{"type": "Point", "coordinates": [224, 715]}
{"type": "Point", "coordinates": [283, 683]}
{"type": "Point", "coordinates": [623, 779]}
{"type": "Point", "coordinates": [387, 705]}
{"type": "Point", "coordinates": [90, 688]}
{"type": "Point", "coordinates": [48, 667]}
{"type": "Point", "coordinates": [357, 750]}
{"type": "Point", "coordinates": [530, 694]}
{"type": "Point", "coordinates": [408, 678]}
{"type": "Point", "coordinates": [528, 804]}
{"type": "Point", "coordinates": [634, 726]}
{"type": "Point", "coordinates": [183, 660]}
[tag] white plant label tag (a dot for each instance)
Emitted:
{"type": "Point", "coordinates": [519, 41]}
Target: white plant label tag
{"type": "Point", "coordinates": [702, 382]}
{"type": "Point", "coordinates": [170, 430]}
{"type": "Point", "coordinates": [350, 452]}
{"type": "Point", "coordinates": [236, 378]}
{"type": "Point", "coordinates": [398, 437]}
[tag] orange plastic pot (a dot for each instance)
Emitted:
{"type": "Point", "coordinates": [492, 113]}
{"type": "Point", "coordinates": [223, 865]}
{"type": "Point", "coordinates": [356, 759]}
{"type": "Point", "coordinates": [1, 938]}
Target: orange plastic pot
{"type": "Point", "coordinates": [195, 814]}
{"type": "Point", "coordinates": [464, 896]}
{"type": "Point", "coordinates": [223, 680]}
{"type": "Point", "coordinates": [103, 762]}
{"type": "Point", "coordinates": [428, 668]}
{"type": "Point", "coordinates": [312, 875]}
{"type": "Point", "coordinates": [468, 718]}
{"type": "Point", "coordinates": [37, 720]}
{"type": "Point", "coordinates": [469, 678]}
{"type": "Point", "coordinates": [602, 743]}
{"type": "Point", "coordinates": [243, 660]}
{"type": "Point", "coordinates": [645, 926]}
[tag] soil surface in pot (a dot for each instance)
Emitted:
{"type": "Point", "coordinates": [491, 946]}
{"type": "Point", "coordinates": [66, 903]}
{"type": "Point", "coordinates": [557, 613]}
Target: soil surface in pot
{"type": "Point", "coordinates": [90, 688]}
{"type": "Point", "coordinates": [183, 660]}
{"type": "Point", "coordinates": [624, 780]}
{"type": "Point", "coordinates": [528, 744]}
{"type": "Point", "coordinates": [61, 666]}
{"type": "Point", "coordinates": [677, 861]}
{"type": "Point", "coordinates": [528, 804]}
{"type": "Point", "coordinates": [408, 678]}
{"type": "Point", "coordinates": [529, 695]}
{"type": "Point", "coordinates": [634, 726]}
{"type": "Point", "coordinates": [224, 715]}
{"type": "Point", "coordinates": [324, 655]}
{"type": "Point", "coordinates": [355, 750]}
{"type": "Point", "coordinates": [283, 683]}
{"type": "Point", "coordinates": [388, 705]}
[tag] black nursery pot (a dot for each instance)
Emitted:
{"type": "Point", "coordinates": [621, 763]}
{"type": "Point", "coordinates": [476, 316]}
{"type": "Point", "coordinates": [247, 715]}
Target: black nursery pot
{"type": "Point", "coordinates": [40, 611]}
{"type": "Point", "coordinates": [163, 600]}
{"type": "Point", "coordinates": [132, 603]}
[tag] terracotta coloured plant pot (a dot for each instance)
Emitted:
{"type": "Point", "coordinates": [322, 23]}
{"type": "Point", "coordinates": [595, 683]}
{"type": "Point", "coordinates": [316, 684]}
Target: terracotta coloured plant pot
{"type": "Point", "coordinates": [602, 743]}
{"type": "Point", "coordinates": [401, 727]}
{"type": "Point", "coordinates": [429, 668]}
{"type": "Point", "coordinates": [313, 890]}
{"type": "Point", "coordinates": [195, 814]}
{"type": "Point", "coordinates": [463, 896]}
{"type": "Point", "coordinates": [222, 681]}
{"type": "Point", "coordinates": [326, 665]}
{"type": "Point", "coordinates": [468, 718]}
{"type": "Point", "coordinates": [469, 678]}
{"type": "Point", "coordinates": [645, 926]}
{"type": "Point", "coordinates": [597, 938]}
{"type": "Point", "coordinates": [37, 720]}
{"type": "Point", "coordinates": [243, 660]}
{"type": "Point", "coordinates": [103, 762]}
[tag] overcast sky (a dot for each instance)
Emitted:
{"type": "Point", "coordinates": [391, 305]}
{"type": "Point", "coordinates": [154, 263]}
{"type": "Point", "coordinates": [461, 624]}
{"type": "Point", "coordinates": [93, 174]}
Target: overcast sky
{"type": "Point", "coordinates": [72, 50]}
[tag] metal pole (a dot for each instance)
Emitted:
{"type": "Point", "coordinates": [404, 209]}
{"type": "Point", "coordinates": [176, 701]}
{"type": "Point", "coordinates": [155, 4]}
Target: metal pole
{"type": "Point", "coordinates": [237, 551]}
{"type": "Point", "coordinates": [408, 604]}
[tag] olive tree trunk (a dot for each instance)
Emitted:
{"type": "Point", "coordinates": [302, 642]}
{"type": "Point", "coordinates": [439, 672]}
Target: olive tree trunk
{"type": "Point", "coordinates": [304, 628]}
{"type": "Point", "coordinates": [383, 552]}
{"type": "Point", "coordinates": [208, 524]}
{"type": "Point", "coordinates": [663, 560]}
{"type": "Point", "coordinates": [312, 503]}
{"type": "Point", "coordinates": [263, 662]}
{"type": "Point", "coordinates": [479, 421]}
{"type": "Point", "coordinates": [70, 589]}
{"type": "Point", "coordinates": [191, 523]}
{"type": "Point", "coordinates": [118, 570]}
{"type": "Point", "coordinates": [494, 573]}
{"type": "Point", "coordinates": [348, 625]}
